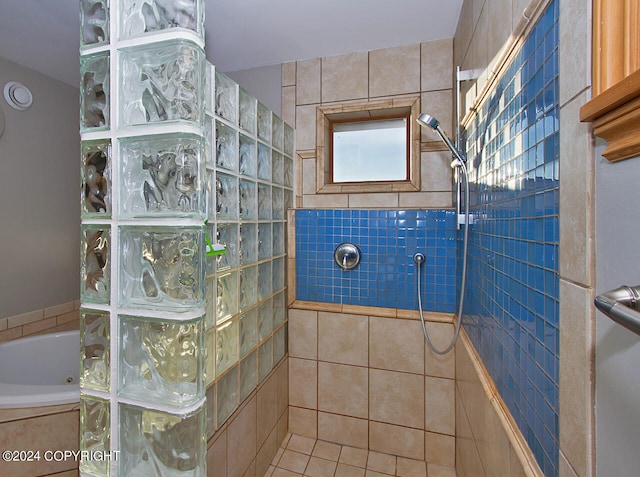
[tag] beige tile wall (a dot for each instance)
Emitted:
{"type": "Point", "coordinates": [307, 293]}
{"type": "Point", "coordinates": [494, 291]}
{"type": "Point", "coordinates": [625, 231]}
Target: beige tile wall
{"type": "Point", "coordinates": [247, 443]}
{"type": "Point", "coordinates": [483, 29]}
{"type": "Point", "coordinates": [423, 70]}
{"type": "Point", "coordinates": [365, 380]}
{"type": "Point", "coordinates": [55, 318]}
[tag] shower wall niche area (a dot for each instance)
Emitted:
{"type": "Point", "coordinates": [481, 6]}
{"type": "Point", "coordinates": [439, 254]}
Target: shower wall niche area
{"type": "Point", "coordinates": [179, 164]}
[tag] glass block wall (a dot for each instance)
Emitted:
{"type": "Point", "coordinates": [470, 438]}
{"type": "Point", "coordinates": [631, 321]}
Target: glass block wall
{"type": "Point", "coordinates": [387, 239]}
{"type": "Point", "coordinates": [250, 179]}
{"type": "Point", "coordinates": [178, 165]}
{"type": "Point", "coordinates": [511, 307]}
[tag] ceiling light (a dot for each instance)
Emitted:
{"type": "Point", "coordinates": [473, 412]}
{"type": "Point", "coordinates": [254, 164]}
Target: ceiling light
{"type": "Point", "coordinates": [18, 96]}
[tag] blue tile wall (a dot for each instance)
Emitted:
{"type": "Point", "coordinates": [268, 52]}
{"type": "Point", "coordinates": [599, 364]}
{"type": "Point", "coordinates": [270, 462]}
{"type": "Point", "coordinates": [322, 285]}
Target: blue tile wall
{"type": "Point", "coordinates": [511, 306]}
{"type": "Point", "coordinates": [386, 276]}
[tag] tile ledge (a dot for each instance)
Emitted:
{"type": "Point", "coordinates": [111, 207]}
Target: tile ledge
{"type": "Point", "coordinates": [400, 313]}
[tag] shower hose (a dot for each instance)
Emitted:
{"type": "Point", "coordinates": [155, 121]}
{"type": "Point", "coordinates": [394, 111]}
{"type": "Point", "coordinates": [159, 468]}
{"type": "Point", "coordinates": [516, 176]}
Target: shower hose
{"type": "Point", "coordinates": [419, 262]}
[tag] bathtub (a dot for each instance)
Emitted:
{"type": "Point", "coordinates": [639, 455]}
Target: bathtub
{"type": "Point", "coordinates": [40, 370]}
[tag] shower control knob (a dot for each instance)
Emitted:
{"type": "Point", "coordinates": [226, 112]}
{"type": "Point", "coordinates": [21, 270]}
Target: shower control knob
{"type": "Point", "coordinates": [419, 258]}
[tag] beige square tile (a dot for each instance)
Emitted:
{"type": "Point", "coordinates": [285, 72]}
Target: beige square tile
{"type": "Point", "coordinates": [318, 467]}
{"type": "Point", "coordinates": [283, 387]}
{"type": "Point", "coordinates": [293, 461]}
{"type": "Point", "coordinates": [326, 201]}
{"type": "Point", "coordinates": [439, 105]}
{"type": "Point", "coordinates": [266, 453]}
{"type": "Point", "coordinates": [343, 389]}
{"type": "Point", "coordinates": [241, 440]}
{"type": "Point", "coordinates": [217, 456]}
{"type": "Point", "coordinates": [440, 405]}
{"type": "Point", "coordinates": [574, 49]}
{"type": "Point", "coordinates": [396, 440]}
{"type": "Point", "coordinates": [354, 456]}
{"type": "Point", "coordinates": [308, 81]}
{"type": "Point", "coordinates": [303, 378]}
{"type": "Point", "coordinates": [380, 199]}
{"type": "Point", "coordinates": [251, 471]}
{"type": "Point", "coordinates": [344, 470]}
{"type": "Point", "coordinates": [278, 456]}
{"type": "Point", "coordinates": [283, 426]}
{"type": "Point", "coordinates": [380, 462]}
{"type": "Point", "coordinates": [343, 430]}
{"type": "Point", "coordinates": [436, 65]}
{"type": "Point", "coordinates": [269, 471]}
{"type": "Point", "coordinates": [373, 473]}
{"type": "Point", "coordinates": [301, 444]}
{"type": "Point", "coordinates": [411, 468]}
{"type": "Point", "coordinates": [424, 199]}
{"type": "Point", "coordinates": [288, 100]}
{"type": "Point", "coordinates": [280, 472]}
{"type": "Point", "coordinates": [289, 73]}
{"type": "Point", "coordinates": [396, 345]}
{"type": "Point", "coordinates": [440, 448]}
{"type": "Point", "coordinates": [305, 127]}
{"type": "Point", "coordinates": [394, 70]}
{"type": "Point", "coordinates": [25, 318]}
{"type": "Point", "coordinates": [443, 366]}
{"type": "Point", "coordinates": [345, 77]}
{"type": "Point", "coordinates": [327, 450]}
{"type": "Point", "coordinates": [343, 338]}
{"type": "Point", "coordinates": [435, 171]}
{"type": "Point", "coordinates": [396, 398]}
{"type": "Point", "coordinates": [437, 470]}
{"type": "Point", "coordinates": [267, 408]}
{"type": "Point", "coordinates": [303, 334]}
{"type": "Point", "coordinates": [303, 421]}
{"type": "Point", "coordinates": [309, 176]}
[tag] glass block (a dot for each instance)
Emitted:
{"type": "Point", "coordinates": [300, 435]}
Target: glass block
{"type": "Point", "coordinates": [162, 443]}
{"type": "Point", "coordinates": [227, 395]}
{"type": "Point", "coordinates": [226, 147]}
{"type": "Point", "coordinates": [264, 162]}
{"type": "Point", "coordinates": [277, 168]}
{"type": "Point", "coordinates": [96, 178]}
{"type": "Point", "coordinates": [248, 375]}
{"type": "Point", "coordinates": [264, 280]}
{"type": "Point", "coordinates": [248, 243]}
{"type": "Point", "coordinates": [288, 140]}
{"type": "Point", "coordinates": [248, 112]}
{"type": "Point", "coordinates": [264, 201]}
{"type": "Point", "coordinates": [279, 309]}
{"type": "Point", "coordinates": [278, 274]}
{"type": "Point", "coordinates": [94, 434]}
{"type": "Point", "coordinates": [210, 369]}
{"type": "Point", "coordinates": [228, 235]}
{"type": "Point", "coordinates": [248, 156]}
{"type": "Point", "coordinates": [208, 142]}
{"type": "Point", "coordinates": [248, 287]}
{"type": "Point", "coordinates": [278, 203]}
{"type": "Point", "coordinates": [288, 199]}
{"type": "Point", "coordinates": [265, 239]}
{"type": "Point", "coordinates": [288, 172]}
{"type": "Point", "coordinates": [248, 200]}
{"type": "Point", "coordinates": [210, 195]}
{"type": "Point", "coordinates": [162, 81]}
{"type": "Point", "coordinates": [162, 361]}
{"type": "Point", "coordinates": [94, 91]}
{"type": "Point", "coordinates": [265, 319]}
{"type": "Point", "coordinates": [162, 175]}
{"type": "Point", "coordinates": [94, 22]}
{"type": "Point", "coordinates": [208, 88]}
{"type": "Point", "coordinates": [227, 338]}
{"type": "Point", "coordinates": [95, 367]}
{"type": "Point", "coordinates": [211, 411]}
{"type": "Point", "coordinates": [226, 94]}
{"type": "Point", "coordinates": [226, 196]}
{"type": "Point", "coordinates": [227, 296]}
{"type": "Point", "coordinates": [248, 331]}
{"type": "Point", "coordinates": [265, 359]}
{"type": "Point", "coordinates": [210, 260]}
{"type": "Point", "coordinates": [95, 264]}
{"type": "Point", "coordinates": [277, 132]}
{"type": "Point", "coordinates": [278, 238]}
{"type": "Point", "coordinates": [139, 17]}
{"type": "Point", "coordinates": [279, 344]}
{"type": "Point", "coordinates": [264, 123]}
{"type": "Point", "coordinates": [210, 310]}
{"type": "Point", "coordinates": [162, 267]}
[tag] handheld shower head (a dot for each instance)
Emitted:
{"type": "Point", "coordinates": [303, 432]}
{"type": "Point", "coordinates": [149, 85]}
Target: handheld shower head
{"type": "Point", "coordinates": [428, 121]}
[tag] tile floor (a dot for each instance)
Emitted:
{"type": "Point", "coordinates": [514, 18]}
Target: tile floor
{"type": "Point", "coordinates": [300, 456]}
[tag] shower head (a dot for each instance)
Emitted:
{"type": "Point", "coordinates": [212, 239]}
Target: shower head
{"type": "Point", "coordinates": [428, 121]}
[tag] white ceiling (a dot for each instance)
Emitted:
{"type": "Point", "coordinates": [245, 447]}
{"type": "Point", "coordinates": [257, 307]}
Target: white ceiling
{"type": "Point", "coordinates": [240, 34]}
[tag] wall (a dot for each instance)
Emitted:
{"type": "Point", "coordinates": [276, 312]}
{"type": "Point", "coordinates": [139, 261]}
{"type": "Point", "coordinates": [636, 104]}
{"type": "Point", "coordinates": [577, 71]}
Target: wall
{"type": "Point", "coordinates": [40, 197]}
{"type": "Point", "coordinates": [617, 349]}
{"type": "Point", "coordinates": [482, 36]}
{"type": "Point", "coordinates": [262, 83]}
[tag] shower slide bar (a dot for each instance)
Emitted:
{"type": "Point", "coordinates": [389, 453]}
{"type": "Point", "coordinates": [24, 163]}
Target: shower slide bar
{"type": "Point", "coordinates": [622, 305]}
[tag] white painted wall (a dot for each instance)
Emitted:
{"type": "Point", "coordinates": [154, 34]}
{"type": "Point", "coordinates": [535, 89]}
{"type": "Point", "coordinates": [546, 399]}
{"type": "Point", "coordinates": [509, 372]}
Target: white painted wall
{"type": "Point", "coordinates": [617, 349]}
{"type": "Point", "coordinates": [39, 195]}
{"type": "Point", "coordinates": [264, 84]}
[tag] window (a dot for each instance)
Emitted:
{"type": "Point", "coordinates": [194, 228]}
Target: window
{"type": "Point", "coordinates": [370, 150]}
{"type": "Point", "coordinates": [372, 146]}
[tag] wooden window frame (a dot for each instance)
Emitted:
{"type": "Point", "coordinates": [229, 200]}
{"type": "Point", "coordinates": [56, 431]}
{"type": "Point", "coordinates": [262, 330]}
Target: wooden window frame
{"type": "Point", "coordinates": [614, 110]}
